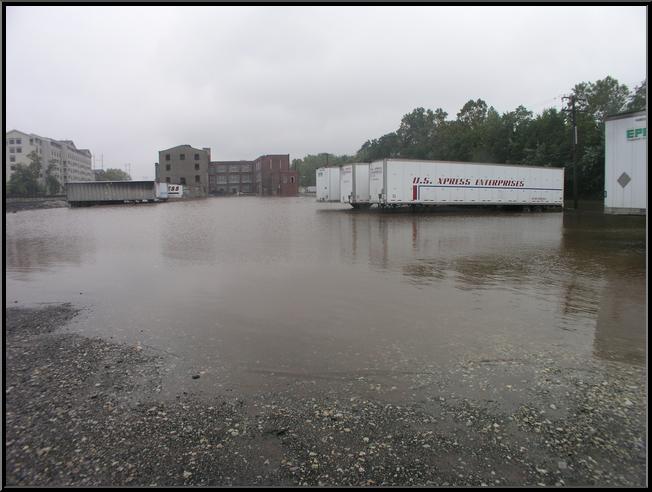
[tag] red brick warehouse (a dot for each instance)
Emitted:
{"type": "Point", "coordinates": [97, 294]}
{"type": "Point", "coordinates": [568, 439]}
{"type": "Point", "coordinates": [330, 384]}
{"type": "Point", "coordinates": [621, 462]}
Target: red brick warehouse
{"type": "Point", "coordinates": [273, 176]}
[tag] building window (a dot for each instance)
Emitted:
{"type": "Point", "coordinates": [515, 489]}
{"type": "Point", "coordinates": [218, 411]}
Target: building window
{"type": "Point", "coordinates": [221, 168]}
{"type": "Point", "coordinates": [285, 179]}
{"type": "Point", "coordinates": [167, 180]}
{"type": "Point", "coordinates": [12, 158]}
{"type": "Point", "coordinates": [221, 179]}
{"type": "Point", "coordinates": [11, 141]}
{"type": "Point", "coordinates": [182, 157]}
{"type": "Point", "coordinates": [197, 179]}
{"type": "Point", "coordinates": [196, 165]}
{"type": "Point", "coordinates": [13, 168]}
{"type": "Point", "coordinates": [12, 149]}
{"type": "Point", "coordinates": [292, 179]}
{"type": "Point", "coordinates": [167, 167]}
{"type": "Point", "coordinates": [196, 157]}
{"type": "Point", "coordinates": [167, 157]}
{"type": "Point", "coordinates": [18, 141]}
{"type": "Point", "coordinates": [182, 180]}
{"type": "Point", "coordinates": [19, 150]}
{"type": "Point", "coordinates": [234, 178]}
{"type": "Point", "coordinates": [234, 169]}
{"type": "Point", "coordinates": [31, 141]}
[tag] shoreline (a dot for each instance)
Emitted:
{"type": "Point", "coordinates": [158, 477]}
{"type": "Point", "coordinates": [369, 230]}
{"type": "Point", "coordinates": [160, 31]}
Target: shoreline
{"type": "Point", "coordinates": [82, 411]}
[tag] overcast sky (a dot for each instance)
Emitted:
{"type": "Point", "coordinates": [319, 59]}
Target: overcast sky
{"type": "Point", "coordinates": [127, 82]}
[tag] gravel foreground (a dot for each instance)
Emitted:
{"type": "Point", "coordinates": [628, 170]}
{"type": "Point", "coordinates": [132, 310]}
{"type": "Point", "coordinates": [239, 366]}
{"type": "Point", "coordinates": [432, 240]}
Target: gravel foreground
{"type": "Point", "coordinates": [83, 411]}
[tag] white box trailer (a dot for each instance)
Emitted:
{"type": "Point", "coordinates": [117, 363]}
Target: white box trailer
{"type": "Point", "coordinates": [396, 182]}
{"type": "Point", "coordinates": [625, 164]}
{"type": "Point", "coordinates": [328, 184]}
{"type": "Point", "coordinates": [104, 192]}
{"type": "Point", "coordinates": [162, 191]}
{"type": "Point", "coordinates": [354, 185]}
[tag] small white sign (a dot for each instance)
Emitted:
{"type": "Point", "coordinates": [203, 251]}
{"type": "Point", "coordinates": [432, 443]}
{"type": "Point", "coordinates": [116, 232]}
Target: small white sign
{"type": "Point", "coordinates": [175, 191]}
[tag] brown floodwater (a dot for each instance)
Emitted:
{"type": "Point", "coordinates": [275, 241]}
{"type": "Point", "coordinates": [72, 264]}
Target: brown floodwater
{"type": "Point", "coordinates": [245, 290]}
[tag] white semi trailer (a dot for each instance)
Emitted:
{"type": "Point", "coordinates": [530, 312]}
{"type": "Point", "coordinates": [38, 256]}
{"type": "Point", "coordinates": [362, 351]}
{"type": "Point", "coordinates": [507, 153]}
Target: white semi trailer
{"type": "Point", "coordinates": [354, 185]}
{"type": "Point", "coordinates": [625, 164]}
{"type": "Point", "coordinates": [328, 184]}
{"type": "Point", "coordinates": [397, 182]}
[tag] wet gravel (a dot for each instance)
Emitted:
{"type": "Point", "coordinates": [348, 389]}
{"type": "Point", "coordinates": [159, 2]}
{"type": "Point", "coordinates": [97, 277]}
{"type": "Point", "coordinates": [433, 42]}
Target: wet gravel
{"type": "Point", "coordinates": [83, 411]}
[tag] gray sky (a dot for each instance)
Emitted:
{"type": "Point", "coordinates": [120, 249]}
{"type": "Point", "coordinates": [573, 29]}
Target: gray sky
{"type": "Point", "coordinates": [127, 82]}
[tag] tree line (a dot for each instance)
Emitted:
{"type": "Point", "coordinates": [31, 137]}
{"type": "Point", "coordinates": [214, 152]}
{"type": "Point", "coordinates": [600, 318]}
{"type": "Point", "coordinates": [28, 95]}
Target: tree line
{"type": "Point", "coordinates": [479, 133]}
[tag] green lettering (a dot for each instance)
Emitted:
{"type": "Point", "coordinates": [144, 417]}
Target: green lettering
{"type": "Point", "coordinates": [636, 133]}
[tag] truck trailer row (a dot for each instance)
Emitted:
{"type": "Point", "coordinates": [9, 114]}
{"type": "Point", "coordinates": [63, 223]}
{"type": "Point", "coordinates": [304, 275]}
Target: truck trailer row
{"type": "Point", "coordinates": [401, 182]}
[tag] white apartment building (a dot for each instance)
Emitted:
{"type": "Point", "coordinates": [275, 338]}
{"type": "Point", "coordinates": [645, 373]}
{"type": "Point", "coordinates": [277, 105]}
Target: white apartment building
{"type": "Point", "coordinates": [65, 160]}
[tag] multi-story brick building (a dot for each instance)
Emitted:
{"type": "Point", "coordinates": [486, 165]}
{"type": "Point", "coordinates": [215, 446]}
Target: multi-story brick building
{"type": "Point", "coordinates": [273, 176]}
{"type": "Point", "coordinates": [187, 166]}
{"type": "Point", "coordinates": [230, 177]}
{"type": "Point", "coordinates": [267, 175]}
{"type": "Point", "coordinates": [59, 158]}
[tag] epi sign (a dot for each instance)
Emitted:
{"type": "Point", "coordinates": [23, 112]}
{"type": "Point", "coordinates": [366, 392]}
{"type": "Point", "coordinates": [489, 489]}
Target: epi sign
{"type": "Point", "coordinates": [636, 133]}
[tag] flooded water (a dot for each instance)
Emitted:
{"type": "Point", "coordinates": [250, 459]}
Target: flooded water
{"type": "Point", "coordinates": [252, 292]}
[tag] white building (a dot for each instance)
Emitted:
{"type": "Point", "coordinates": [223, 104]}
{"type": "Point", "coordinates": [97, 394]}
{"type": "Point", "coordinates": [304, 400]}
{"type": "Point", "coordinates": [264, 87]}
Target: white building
{"type": "Point", "coordinates": [625, 164]}
{"type": "Point", "coordinates": [65, 161]}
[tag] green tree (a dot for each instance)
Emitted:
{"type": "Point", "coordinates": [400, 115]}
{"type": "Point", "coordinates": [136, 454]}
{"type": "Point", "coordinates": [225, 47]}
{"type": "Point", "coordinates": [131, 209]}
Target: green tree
{"type": "Point", "coordinates": [603, 97]}
{"type": "Point", "coordinates": [637, 100]}
{"type": "Point", "coordinates": [380, 148]}
{"type": "Point", "coordinates": [473, 113]}
{"type": "Point", "coordinates": [25, 179]}
{"type": "Point", "coordinates": [111, 174]}
{"type": "Point", "coordinates": [308, 166]}
{"type": "Point", "coordinates": [600, 99]}
{"type": "Point", "coordinates": [480, 133]}
{"type": "Point", "coordinates": [416, 133]}
{"type": "Point", "coordinates": [52, 185]}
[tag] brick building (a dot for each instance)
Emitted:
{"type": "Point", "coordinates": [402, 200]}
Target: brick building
{"type": "Point", "coordinates": [273, 176]}
{"type": "Point", "coordinates": [230, 177]}
{"type": "Point", "coordinates": [268, 175]}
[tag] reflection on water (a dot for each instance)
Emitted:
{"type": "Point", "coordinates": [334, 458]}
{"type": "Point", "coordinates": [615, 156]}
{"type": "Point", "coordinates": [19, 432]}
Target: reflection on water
{"type": "Point", "coordinates": [39, 244]}
{"type": "Point", "coordinates": [28, 254]}
{"type": "Point", "coordinates": [250, 285]}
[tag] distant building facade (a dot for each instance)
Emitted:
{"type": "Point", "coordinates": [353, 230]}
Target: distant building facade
{"type": "Point", "coordinates": [61, 158]}
{"type": "Point", "coordinates": [230, 177]}
{"type": "Point", "coordinates": [268, 175]}
{"type": "Point", "coordinates": [187, 166]}
{"type": "Point", "coordinates": [273, 176]}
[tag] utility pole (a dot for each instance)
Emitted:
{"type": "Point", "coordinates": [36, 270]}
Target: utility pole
{"type": "Point", "coordinates": [572, 109]}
